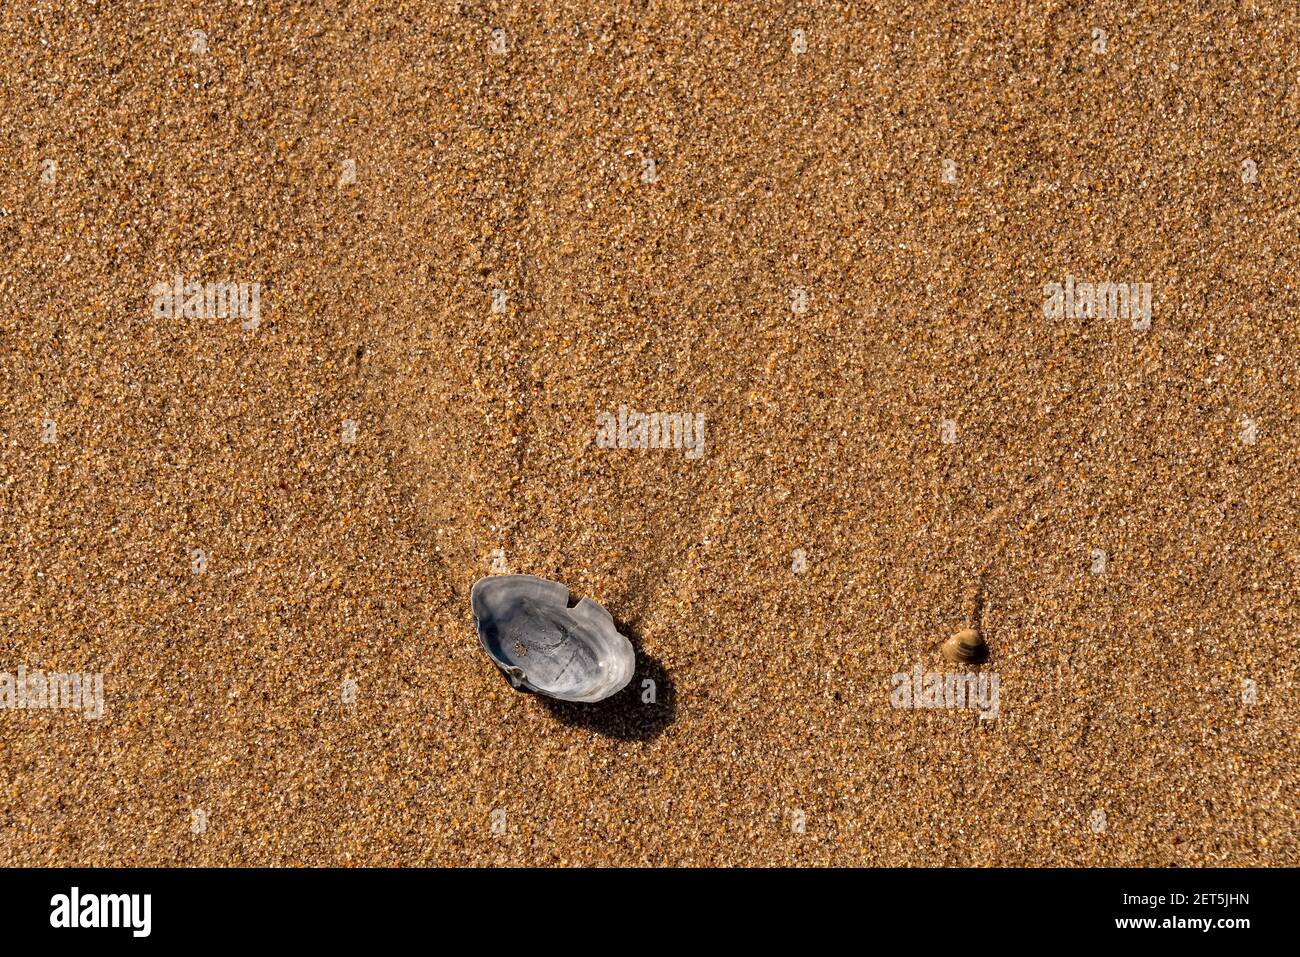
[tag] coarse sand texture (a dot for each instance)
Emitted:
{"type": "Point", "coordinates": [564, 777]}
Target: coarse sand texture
{"type": "Point", "coordinates": [914, 383]}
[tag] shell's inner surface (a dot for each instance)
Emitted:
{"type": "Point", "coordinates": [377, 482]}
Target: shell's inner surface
{"type": "Point", "coordinates": [542, 644]}
{"type": "Point", "coordinates": [574, 654]}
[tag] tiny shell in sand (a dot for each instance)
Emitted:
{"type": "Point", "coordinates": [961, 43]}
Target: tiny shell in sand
{"type": "Point", "coordinates": [967, 647]}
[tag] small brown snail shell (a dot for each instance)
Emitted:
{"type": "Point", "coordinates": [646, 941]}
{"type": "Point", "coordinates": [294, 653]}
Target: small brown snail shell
{"type": "Point", "coordinates": [967, 647]}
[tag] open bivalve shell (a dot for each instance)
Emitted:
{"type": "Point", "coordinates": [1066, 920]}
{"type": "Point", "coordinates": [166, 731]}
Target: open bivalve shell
{"type": "Point", "coordinates": [526, 626]}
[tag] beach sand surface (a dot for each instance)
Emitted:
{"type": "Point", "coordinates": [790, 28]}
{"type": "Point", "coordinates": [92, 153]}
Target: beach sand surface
{"type": "Point", "coordinates": [313, 685]}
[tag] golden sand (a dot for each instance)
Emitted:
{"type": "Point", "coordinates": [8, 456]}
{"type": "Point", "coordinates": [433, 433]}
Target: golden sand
{"type": "Point", "coordinates": [649, 188]}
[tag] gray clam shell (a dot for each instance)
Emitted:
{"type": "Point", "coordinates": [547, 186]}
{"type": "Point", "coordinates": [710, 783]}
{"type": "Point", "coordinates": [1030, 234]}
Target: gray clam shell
{"type": "Point", "coordinates": [526, 626]}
